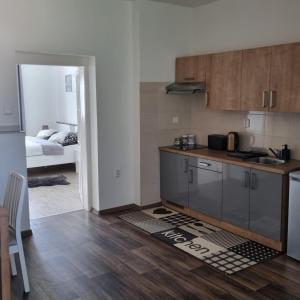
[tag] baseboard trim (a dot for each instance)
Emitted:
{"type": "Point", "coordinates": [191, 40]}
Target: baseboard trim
{"type": "Point", "coordinates": [142, 207]}
{"type": "Point", "coordinates": [26, 233]}
{"type": "Point", "coordinates": [116, 209]}
{"type": "Point", "coordinates": [94, 211]}
{"type": "Point", "coordinates": [122, 208]}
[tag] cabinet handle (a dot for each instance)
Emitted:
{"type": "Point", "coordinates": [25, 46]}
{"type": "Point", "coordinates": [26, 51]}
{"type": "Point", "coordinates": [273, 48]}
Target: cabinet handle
{"type": "Point", "coordinates": [202, 164]}
{"type": "Point", "coordinates": [186, 165]}
{"type": "Point", "coordinates": [189, 78]}
{"type": "Point", "coordinates": [206, 99]}
{"type": "Point", "coordinates": [246, 179]}
{"type": "Point", "coordinates": [272, 99]}
{"type": "Point", "coordinates": [253, 181]}
{"type": "Point", "coordinates": [191, 179]}
{"type": "Point", "coordinates": [264, 99]}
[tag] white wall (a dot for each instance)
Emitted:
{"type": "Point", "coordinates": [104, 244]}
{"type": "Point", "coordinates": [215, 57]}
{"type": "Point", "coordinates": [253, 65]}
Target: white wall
{"type": "Point", "coordinates": [66, 102]}
{"type": "Point", "coordinates": [165, 33]}
{"type": "Point", "coordinates": [99, 28]}
{"type": "Point", "coordinates": [168, 31]}
{"type": "Point", "coordinates": [11, 159]}
{"type": "Point", "coordinates": [45, 98]}
{"type": "Point", "coordinates": [238, 24]}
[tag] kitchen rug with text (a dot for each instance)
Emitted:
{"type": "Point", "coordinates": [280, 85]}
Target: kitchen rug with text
{"type": "Point", "coordinates": [223, 250]}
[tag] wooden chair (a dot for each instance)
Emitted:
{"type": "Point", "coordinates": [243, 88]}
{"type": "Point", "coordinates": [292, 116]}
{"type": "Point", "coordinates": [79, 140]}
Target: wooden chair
{"type": "Point", "coordinates": [13, 202]}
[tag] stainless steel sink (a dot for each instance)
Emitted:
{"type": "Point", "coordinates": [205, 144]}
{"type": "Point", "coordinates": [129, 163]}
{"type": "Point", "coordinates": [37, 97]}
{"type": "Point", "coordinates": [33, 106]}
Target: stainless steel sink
{"type": "Point", "coordinates": [266, 160]}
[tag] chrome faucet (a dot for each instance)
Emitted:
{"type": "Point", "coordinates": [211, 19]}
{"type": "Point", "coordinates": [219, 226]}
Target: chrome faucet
{"type": "Point", "coordinates": [276, 152]}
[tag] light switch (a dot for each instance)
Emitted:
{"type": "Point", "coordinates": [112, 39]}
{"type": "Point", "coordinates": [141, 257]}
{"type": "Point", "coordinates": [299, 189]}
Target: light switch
{"type": "Point", "coordinates": [247, 123]}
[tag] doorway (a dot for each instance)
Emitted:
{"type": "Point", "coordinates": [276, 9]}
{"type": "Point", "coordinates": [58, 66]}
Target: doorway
{"type": "Point", "coordinates": [51, 101]}
{"type": "Point", "coordinates": [88, 118]}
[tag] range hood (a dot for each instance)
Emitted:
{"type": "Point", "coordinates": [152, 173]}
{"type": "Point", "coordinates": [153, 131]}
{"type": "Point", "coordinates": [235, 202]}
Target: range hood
{"type": "Point", "coordinates": [186, 88]}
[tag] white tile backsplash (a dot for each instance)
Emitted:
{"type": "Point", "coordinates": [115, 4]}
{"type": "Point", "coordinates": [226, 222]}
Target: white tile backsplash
{"type": "Point", "coordinates": [265, 129]}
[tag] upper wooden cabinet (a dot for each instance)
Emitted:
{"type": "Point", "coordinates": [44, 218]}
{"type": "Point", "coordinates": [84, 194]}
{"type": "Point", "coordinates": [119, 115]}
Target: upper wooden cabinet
{"type": "Point", "coordinates": [225, 81]}
{"type": "Point", "coordinates": [260, 79]}
{"type": "Point", "coordinates": [186, 69]}
{"type": "Point", "coordinates": [285, 78]}
{"type": "Point", "coordinates": [255, 79]}
{"type": "Point", "coordinates": [192, 68]}
{"type": "Point", "coordinates": [271, 79]}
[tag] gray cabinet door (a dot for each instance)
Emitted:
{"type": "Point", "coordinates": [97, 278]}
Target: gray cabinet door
{"type": "Point", "coordinates": [265, 204]}
{"type": "Point", "coordinates": [174, 178]}
{"type": "Point", "coordinates": [235, 209]}
{"type": "Point", "coordinates": [205, 192]}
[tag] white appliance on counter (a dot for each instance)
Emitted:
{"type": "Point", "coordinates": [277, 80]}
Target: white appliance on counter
{"type": "Point", "coordinates": [293, 247]}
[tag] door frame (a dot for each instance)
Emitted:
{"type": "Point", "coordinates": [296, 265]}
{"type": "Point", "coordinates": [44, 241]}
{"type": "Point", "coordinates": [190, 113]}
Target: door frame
{"type": "Point", "coordinates": [88, 116]}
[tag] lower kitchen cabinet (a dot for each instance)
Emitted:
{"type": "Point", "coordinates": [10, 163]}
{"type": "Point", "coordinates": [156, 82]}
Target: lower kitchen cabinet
{"type": "Point", "coordinates": [205, 191]}
{"type": "Point", "coordinates": [174, 178]}
{"type": "Point", "coordinates": [236, 195]}
{"type": "Point", "coordinates": [252, 200]}
{"type": "Point", "coordinates": [245, 197]}
{"type": "Point", "coordinates": [266, 204]}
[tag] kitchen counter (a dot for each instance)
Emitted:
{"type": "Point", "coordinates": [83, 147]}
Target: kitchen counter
{"type": "Point", "coordinates": [222, 156]}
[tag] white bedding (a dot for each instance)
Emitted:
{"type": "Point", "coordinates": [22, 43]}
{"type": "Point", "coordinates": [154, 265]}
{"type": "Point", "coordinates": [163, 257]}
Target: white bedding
{"type": "Point", "coordinates": [37, 146]}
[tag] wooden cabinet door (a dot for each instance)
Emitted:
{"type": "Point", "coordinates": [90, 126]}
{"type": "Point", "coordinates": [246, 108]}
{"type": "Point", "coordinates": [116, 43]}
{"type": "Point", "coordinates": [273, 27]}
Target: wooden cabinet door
{"type": "Point", "coordinates": [225, 81]}
{"type": "Point", "coordinates": [187, 69]}
{"type": "Point", "coordinates": [255, 79]}
{"type": "Point", "coordinates": [285, 78]}
{"type": "Point", "coordinates": [203, 68]}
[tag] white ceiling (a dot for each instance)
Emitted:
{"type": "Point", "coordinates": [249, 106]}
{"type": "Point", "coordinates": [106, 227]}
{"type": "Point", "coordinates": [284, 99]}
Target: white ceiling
{"type": "Point", "coordinates": [188, 3]}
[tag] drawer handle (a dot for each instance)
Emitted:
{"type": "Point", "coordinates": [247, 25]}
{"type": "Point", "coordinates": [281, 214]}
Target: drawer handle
{"type": "Point", "coordinates": [189, 78]}
{"type": "Point", "coordinates": [202, 164]}
{"type": "Point", "coordinates": [295, 178]}
{"type": "Point", "coordinates": [186, 165]}
{"type": "Point", "coordinates": [247, 180]}
{"type": "Point", "coordinates": [253, 182]}
{"type": "Point", "coordinates": [191, 177]}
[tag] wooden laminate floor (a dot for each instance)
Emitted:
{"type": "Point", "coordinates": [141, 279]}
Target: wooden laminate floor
{"type": "Point", "coordinates": [83, 256]}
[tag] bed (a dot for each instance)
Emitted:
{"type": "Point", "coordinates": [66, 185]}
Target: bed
{"type": "Point", "coordinates": [42, 153]}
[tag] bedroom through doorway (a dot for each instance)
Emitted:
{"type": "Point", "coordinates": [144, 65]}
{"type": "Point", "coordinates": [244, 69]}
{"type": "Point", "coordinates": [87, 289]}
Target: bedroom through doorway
{"type": "Point", "coordinates": [51, 106]}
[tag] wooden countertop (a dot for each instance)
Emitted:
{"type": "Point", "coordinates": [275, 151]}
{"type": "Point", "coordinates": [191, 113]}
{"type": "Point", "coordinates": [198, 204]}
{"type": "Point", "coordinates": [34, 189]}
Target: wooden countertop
{"type": "Point", "coordinates": [292, 165]}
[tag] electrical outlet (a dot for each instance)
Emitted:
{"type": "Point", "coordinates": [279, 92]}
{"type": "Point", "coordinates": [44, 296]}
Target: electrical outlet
{"type": "Point", "coordinates": [117, 173]}
{"type": "Point", "coordinates": [175, 120]}
{"type": "Point", "coordinates": [7, 112]}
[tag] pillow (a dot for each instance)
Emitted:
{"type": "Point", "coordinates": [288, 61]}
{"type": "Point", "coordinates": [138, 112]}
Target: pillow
{"type": "Point", "coordinates": [58, 137]}
{"type": "Point", "coordinates": [45, 133]}
{"type": "Point", "coordinates": [71, 139]}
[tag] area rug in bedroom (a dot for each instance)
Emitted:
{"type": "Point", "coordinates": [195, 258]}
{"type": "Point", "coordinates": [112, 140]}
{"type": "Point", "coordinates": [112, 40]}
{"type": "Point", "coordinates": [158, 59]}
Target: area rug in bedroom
{"type": "Point", "coordinates": [224, 251]}
{"type": "Point", "coordinates": [37, 181]}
